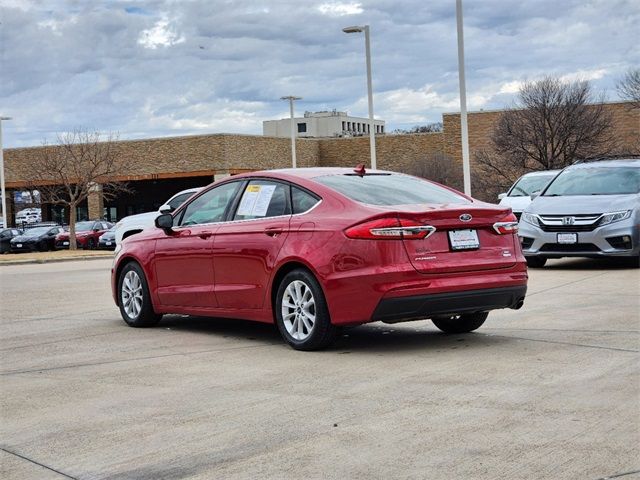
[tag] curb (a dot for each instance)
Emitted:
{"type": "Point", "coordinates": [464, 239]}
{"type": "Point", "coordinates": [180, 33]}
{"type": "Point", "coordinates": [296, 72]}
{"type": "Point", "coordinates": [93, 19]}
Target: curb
{"type": "Point", "coordinates": [54, 260]}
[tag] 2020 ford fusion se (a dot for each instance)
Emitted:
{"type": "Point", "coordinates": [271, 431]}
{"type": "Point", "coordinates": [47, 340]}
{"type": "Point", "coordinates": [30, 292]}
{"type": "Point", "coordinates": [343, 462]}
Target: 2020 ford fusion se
{"type": "Point", "coordinates": [316, 249]}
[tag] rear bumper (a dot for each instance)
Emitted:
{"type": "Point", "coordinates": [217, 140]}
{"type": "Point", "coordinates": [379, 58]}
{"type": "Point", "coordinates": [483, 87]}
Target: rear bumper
{"type": "Point", "coordinates": [399, 309]}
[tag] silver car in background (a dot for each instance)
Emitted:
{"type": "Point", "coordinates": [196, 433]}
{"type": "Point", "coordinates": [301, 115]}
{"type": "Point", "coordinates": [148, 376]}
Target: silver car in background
{"type": "Point", "coordinates": [589, 210]}
{"type": "Point", "coordinates": [519, 195]}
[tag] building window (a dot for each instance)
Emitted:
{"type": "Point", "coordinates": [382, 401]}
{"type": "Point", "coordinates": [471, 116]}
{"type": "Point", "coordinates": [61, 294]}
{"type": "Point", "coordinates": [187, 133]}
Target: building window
{"type": "Point", "coordinates": [381, 128]}
{"type": "Point", "coordinates": [302, 128]}
{"type": "Point", "coordinates": [343, 126]}
{"type": "Point", "coordinates": [359, 126]}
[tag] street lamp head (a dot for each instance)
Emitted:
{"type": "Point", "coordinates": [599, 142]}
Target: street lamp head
{"type": "Point", "coordinates": [353, 29]}
{"type": "Point", "coordinates": [290, 97]}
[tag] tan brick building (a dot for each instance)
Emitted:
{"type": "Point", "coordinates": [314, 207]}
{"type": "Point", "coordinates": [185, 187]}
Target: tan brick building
{"type": "Point", "coordinates": [161, 167]}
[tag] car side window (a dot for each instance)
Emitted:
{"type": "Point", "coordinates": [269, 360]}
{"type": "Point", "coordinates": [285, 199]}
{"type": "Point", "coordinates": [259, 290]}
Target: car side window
{"type": "Point", "coordinates": [175, 202]}
{"type": "Point", "coordinates": [263, 198]}
{"type": "Point", "coordinates": [302, 200]}
{"type": "Point", "coordinates": [210, 207]}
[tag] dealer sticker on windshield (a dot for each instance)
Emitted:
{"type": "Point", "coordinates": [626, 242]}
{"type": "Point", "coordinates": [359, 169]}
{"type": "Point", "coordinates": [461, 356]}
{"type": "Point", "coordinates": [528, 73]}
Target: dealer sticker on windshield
{"type": "Point", "coordinates": [464, 239]}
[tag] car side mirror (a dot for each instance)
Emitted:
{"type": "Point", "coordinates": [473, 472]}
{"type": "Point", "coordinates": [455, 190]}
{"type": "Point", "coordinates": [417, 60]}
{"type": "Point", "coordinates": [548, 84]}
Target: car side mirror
{"type": "Point", "coordinates": [165, 222]}
{"type": "Point", "coordinates": [534, 195]}
{"type": "Point", "coordinates": [166, 208]}
{"type": "Point", "coordinates": [501, 196]}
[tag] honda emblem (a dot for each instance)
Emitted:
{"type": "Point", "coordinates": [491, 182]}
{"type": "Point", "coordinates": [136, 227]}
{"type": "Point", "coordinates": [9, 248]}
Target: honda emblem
{"type": "Point", "coordinates": [568, 220]}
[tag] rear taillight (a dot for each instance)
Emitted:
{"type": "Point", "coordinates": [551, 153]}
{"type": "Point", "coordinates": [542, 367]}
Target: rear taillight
{"type": "Point", "coordinates": [390, 228]}
{"type": "Point", "coordinates": [508, 225]}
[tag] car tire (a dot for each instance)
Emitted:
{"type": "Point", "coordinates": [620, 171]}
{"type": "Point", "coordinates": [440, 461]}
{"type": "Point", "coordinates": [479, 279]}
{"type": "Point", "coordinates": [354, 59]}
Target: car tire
{"type": "Point", "coordinates": [134, 298]}
{"type": "Point", "coordinates": [301, 312]}
{"type": "Point", "coordinates": [42, 246]}
{"type": "Point", "coordinates": [536, 262]}
{"type": "Point", "coordinates": [90, 245]}
{"type": "Point", "coordinates": [465, 323]}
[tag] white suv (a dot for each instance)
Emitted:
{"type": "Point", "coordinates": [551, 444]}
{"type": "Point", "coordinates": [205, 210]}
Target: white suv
{"type": "Point", "coordinates": [137, 223]}
{"type": "Point", "coordinates": [29, 215]}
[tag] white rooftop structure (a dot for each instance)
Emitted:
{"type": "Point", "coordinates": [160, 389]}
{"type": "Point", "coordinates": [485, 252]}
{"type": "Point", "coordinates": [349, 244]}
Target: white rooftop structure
{"type": "Point", "coordinates": [321, 124]}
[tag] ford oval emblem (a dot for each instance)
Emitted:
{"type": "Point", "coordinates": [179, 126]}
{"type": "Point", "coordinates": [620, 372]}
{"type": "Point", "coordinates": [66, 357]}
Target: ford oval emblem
{"type": "Point", "coordinates": [465, 217]}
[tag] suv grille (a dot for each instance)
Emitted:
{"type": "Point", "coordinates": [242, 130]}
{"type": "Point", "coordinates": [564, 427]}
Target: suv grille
{"type": "Point", "coordinates": [569, 223]}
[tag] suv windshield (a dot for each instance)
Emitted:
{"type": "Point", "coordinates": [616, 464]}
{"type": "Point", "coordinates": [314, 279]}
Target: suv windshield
{"type": "Point", "coordinates": [596, 181]}
{"type": "Point", "coordinates": [529, 184]}
{"type": "Point", "coordinates": [389, 189]}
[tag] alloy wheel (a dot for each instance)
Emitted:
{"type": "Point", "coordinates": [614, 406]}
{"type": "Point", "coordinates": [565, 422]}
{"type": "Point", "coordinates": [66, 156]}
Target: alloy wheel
{"type": "Point", "coordinates": [298, 310]}
{"type": "Point", "coordinates": [132, 294]}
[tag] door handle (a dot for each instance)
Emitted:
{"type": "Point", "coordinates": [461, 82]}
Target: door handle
{"type": "Point", "coordinates": [205, 235]}
{"type": "Point", "coordinates": [273, 231]}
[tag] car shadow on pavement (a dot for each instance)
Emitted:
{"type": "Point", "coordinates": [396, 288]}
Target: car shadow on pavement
{"type": "Point", "coordinates": [372, 338]}
{"type": "Point", "coordinates": [590, 264]}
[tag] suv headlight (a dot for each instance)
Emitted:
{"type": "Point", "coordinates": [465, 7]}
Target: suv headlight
{"type": "Point", "coordinates": [530, 218]}
{"type": "Point", "coordinates": [614, 217]}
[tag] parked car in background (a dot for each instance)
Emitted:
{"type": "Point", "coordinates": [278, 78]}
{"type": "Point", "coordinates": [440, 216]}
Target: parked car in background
{"type": "Point", "coordinates": [5, 237]}
{"type": "Point", "coordinates": [519, 195]}
{"type": "Point", "coordinates": [137, 223]}
{"type": "Point", "coordinates": [36, 239]}
{"type": "Point", "coordinates": [315, 249]}
{"type": "Point", "coordinates": [589, 210]}
{"type": "Point", "coordinates": [87, 234]}
{"type": "Point", "coordinates": [107, 240]}
{"type": "Point", "coordinates": [28, 216]}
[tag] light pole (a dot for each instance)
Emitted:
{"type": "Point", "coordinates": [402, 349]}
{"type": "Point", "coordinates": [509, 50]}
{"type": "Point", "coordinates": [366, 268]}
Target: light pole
{"type": "Point", "coordinates": [291, 99]}
{"type": "Point", "coordinates": [464, 131]}
{"type": "Point", "coordinates": [4, 196]}
{"type": "Point", "coordinates": [372, 128]}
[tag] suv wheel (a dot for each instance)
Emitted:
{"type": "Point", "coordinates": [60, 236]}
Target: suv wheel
{"type": "Point", "coordinates": [536, 262]}
{"type": "Point", "coordinates": [460, 323]}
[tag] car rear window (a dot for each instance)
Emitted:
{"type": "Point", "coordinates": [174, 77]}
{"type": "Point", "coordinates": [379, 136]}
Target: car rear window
{"type": "Point", "coordinates": [389, 189]}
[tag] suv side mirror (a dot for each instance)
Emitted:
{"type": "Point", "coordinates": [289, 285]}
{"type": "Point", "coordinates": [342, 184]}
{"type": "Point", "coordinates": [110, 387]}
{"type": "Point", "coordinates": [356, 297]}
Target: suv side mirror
{"type": "Point", "coordinates": [165, 222]}
{"type": "Point", "coordinates": [166, 208]}
{"type": "Point", "coordinates": [501, 196]}
{"type": "Point", "coordinates": [534, 195]}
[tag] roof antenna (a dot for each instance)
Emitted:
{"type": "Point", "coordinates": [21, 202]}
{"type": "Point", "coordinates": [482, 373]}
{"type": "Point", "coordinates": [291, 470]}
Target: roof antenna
{"type": "Point", "coordinates": [359, 170]}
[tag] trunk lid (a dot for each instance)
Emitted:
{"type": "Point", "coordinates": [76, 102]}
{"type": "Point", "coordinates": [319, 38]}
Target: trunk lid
{"type": "Point", "coordinates": [443, 252]}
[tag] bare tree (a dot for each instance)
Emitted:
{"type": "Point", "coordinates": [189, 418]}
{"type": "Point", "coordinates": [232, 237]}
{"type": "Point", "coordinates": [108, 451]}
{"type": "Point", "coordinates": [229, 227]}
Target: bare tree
{"type": "Point", "coordinates": [80, 163]}
{"type": "Point", "coordinates": [629, 87]}
{"type": "Point", "coordinates": [551, 125]}
{"type": "Point", "coordinates": [428, 128]}
{"type": "Point", "coordinates": [440, 168]}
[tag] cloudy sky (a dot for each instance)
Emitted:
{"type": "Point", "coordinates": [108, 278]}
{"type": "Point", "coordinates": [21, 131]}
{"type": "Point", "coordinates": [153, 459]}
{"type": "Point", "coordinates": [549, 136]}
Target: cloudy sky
{"type": "Point", "coordinates": [153, 68]}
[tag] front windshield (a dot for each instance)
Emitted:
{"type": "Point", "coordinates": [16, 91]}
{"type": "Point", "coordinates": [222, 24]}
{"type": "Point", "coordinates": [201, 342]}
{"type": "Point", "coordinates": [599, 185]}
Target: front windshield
{"type": "Point", "coordinates": [529, 184]}
{"type": "Point", "coordinates": [596, 181]}
{"type": "Point", "coordinates": [36, 232]}
{"type": "Point", "coordinates": [83, 226]}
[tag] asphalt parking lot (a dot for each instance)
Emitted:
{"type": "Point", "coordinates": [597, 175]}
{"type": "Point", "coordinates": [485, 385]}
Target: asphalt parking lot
{"type": "Point", "coordinates": [551, 391]}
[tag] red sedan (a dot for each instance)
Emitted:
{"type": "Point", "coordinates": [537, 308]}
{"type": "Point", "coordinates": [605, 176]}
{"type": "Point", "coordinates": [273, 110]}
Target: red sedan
{"type": "Point", "coordinates": [316, 249]}
{"type": "Point", "coordinates": [87, 234]}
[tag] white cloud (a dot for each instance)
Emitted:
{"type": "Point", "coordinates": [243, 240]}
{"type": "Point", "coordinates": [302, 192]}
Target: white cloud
{"type": "Point", "coordinates": [337, 9]}
{"type": "Point", "coordinates": [162, 34]}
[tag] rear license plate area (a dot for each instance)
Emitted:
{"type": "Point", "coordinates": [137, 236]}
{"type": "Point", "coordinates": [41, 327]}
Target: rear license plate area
{"type": "Point", "coordinates": [463, 239]}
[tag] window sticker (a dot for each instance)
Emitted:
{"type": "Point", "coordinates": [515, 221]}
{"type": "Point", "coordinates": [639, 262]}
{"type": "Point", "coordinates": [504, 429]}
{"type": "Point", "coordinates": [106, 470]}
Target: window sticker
{"type": "Point", "coordinates": [255, 201]}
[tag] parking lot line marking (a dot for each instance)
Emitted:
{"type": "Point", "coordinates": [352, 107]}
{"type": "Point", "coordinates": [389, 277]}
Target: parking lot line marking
{"type": "Point", "coordinates": [562, 343]}
{"type": "Point", "coordinates": [16, 347]}
{"type": "Point", "coordinates": [63, 367]}
{"type": "Point", "coordinates": [37, 463]}
{"type": "Point", "coordinates": [618, 475]}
